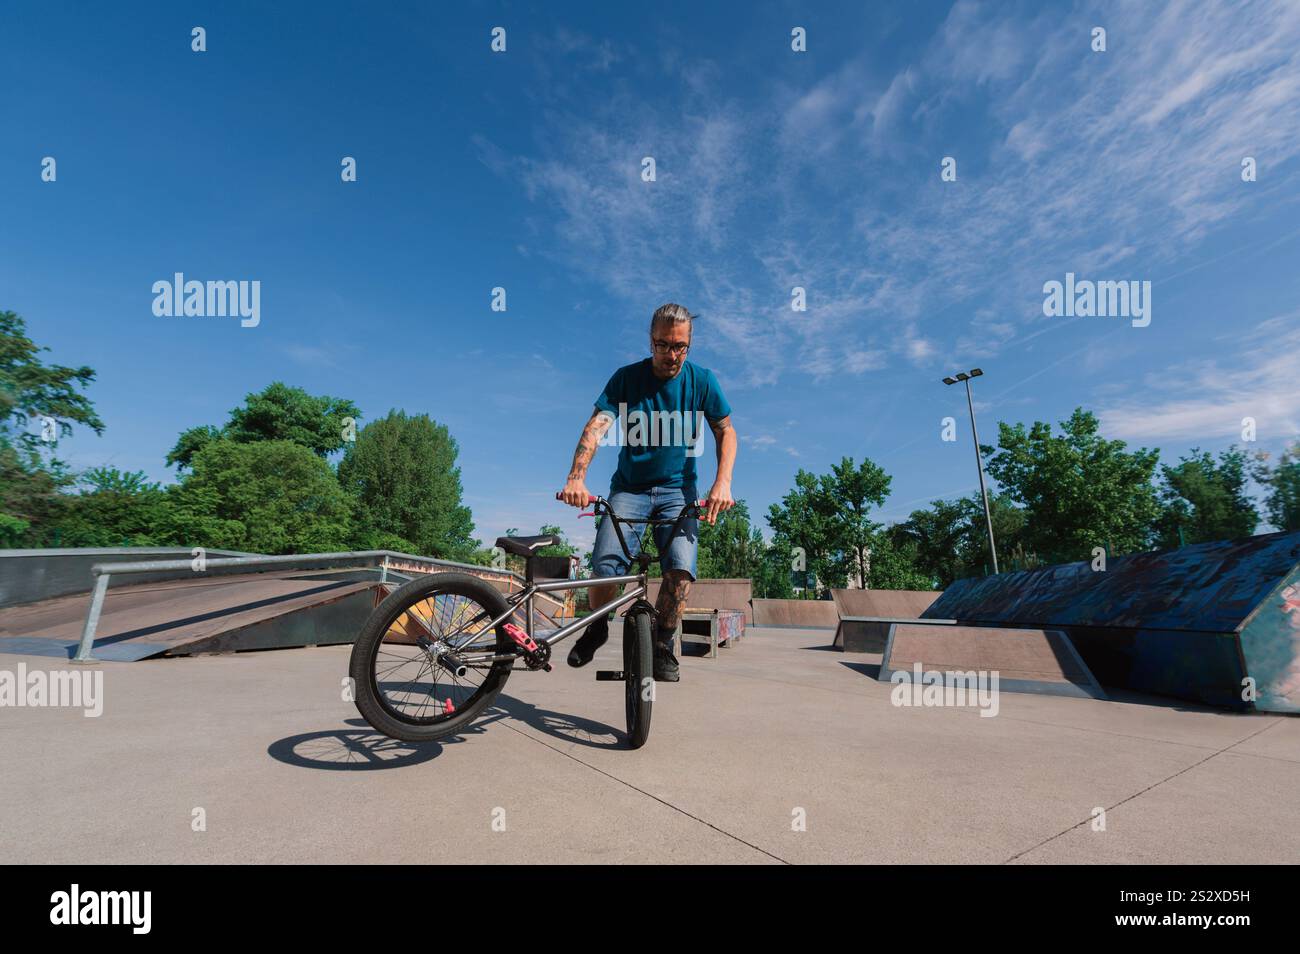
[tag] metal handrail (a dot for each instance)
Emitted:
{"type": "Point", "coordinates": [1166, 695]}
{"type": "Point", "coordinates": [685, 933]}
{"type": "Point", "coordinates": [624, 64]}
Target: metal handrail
{"type": "Point", "coordinates": [102, 572]}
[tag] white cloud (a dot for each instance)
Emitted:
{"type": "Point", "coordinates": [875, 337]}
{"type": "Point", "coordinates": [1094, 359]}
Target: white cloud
{"type": "Point", "coordinates": [1121, 162]}
{"type": "Point", "coordinates": [1209, 398]}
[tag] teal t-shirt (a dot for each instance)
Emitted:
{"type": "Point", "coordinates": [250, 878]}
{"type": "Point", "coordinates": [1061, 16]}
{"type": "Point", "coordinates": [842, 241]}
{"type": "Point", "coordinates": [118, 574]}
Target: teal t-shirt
{"type": "Point", "coordinates": [660, 424]}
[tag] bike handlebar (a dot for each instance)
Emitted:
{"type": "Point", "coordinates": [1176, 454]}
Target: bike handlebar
{"type": "Point", "coordinates": [590, 500]}
{"type": "Point", "coordinates": [603, 506]}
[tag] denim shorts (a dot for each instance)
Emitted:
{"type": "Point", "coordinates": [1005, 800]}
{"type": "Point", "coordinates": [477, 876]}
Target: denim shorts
{"type": "Point", "coordinates": [659, 503]}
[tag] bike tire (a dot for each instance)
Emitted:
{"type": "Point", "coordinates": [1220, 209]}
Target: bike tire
{"type": "Point", "coordinates": [425, 591]}
{"type": "Point", "coordinates": [638, 674]}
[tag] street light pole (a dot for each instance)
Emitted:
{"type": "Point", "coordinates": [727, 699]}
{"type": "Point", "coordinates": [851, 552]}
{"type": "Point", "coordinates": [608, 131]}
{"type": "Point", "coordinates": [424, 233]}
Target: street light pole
{"type": "Point", "coordinates": [979, 461]}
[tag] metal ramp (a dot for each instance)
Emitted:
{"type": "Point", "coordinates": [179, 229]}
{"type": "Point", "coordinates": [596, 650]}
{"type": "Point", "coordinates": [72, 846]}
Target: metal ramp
{"type": "Point", "coordinates": [237, 605]}
{"type": "Point", "coordinates": [183, 617]}
{"type": "Point", "coordinates": [1216, 623]}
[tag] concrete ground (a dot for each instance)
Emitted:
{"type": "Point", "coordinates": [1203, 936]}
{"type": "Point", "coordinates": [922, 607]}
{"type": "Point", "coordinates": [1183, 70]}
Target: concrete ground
{"type": "Point", "coordinates": [776, 731]}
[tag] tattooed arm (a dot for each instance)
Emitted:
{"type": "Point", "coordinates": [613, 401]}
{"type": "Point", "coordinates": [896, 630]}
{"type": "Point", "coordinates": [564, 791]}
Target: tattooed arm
{"type": "Point", "coordinates": [719, 499]}
{"type": "Point", "coordinates": [575, 492]}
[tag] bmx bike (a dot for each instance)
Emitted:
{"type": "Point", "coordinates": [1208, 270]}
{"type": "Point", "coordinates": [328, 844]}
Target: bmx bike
{"type": "Point", "coordinates": [438, 650]}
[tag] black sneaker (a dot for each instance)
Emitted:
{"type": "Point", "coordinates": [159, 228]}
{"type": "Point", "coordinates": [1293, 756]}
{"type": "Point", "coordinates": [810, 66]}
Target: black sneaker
{"type": "Point", "coordinates": [666, 668]}
{"type": "Point", "coordinates": [585, 646]}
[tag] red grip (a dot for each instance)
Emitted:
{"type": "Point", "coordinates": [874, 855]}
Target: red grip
{"type": "Point", "coordinates": [590, 500]}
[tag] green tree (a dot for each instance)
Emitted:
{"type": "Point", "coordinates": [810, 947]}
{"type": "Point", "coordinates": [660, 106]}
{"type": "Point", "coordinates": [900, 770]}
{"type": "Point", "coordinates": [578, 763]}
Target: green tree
{"type": "Point", "coordinates": [937, 538]}
{"type": "Point", "coordinates": [190, 443]}
{"type": "Point", "coordinates": [30, 495]}
{"type": "Point", "coordinates": [563, 548]}
{"type": "Point", "coordinates": [848, 494]}
{"type": "Point", "coordinates": [801, 523]}
{"type": "Point", "coordinates": [30, 388]}
{"type": "Point", "coordinates": [378, 540]}
{"type": "Point", "coordinates": [829, 517]}
{"type": "Point", "coordinates": [272, 497]}
{"type": "Point", "coordinates": [13, 531]}
{"type": "Point", "coordinates": [402, 473]}
{"type": "Point", "coordinates": [1077, 489]}
{"type": "Point", "coordinates": [31, 475]}
{"type": "Point", "coordinates": [894, 567]}
{"type": "Point", "coordinates": [730, 549]}
{"type": "Point", "coordinates": [1205, 500]}
{"type": "Point", "coordinates": [276, 413]}
{"type": "Point", "coordinates": [772, 579]}
{"type": "Point", "coordinates": [115, 509]}
{"type": "Point", "coordinates": [1282, 487]}
{"type": "Point", "coordinates": [950, 540]}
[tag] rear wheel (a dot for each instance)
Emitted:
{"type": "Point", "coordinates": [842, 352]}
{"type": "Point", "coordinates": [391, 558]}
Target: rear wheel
{"type": "Point", "coordinates": [407, 685]}
{"type": "Point", "coordinates": [638, 673]}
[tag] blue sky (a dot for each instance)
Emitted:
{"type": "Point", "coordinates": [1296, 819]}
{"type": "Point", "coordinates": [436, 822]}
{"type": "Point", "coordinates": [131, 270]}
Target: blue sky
{"type": "Point", "coordinates": [774, 169]}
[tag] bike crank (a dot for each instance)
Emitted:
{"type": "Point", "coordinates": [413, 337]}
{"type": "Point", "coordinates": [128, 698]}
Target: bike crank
{"type": "Point", "coordinates": [535, 656]}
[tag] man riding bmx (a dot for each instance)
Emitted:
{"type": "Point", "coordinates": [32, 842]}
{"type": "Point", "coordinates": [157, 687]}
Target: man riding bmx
{"type": "Point", "coordinates": [660, 403]}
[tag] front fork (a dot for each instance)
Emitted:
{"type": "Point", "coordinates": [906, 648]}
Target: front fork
{"type": "Point", "coordinates": [640, 606]}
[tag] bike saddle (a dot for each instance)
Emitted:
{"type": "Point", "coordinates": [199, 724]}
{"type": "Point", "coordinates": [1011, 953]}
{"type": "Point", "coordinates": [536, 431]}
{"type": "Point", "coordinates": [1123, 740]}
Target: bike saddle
{"type": "Point", "coordinates": [527, 546]}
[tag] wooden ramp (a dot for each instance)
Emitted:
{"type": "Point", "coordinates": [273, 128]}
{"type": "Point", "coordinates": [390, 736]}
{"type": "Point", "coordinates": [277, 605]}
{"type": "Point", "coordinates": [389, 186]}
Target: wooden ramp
{"type": "Point", "coordinates": [212, 614]}
{"type": "Point", "coordinates": [866, 615]}
{"type": "Point", "coordinates": [1023, 659]}
{"type": "Point", "coordinates": [711, 595]}
{"type": "Point", "coordinates": [795, 614]}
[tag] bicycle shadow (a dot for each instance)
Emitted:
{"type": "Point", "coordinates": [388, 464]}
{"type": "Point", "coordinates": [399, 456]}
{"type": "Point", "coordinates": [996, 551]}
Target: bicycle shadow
{"type": "Point", "coordinates": [362, 749]}
{"type": "Point", "coordinates": [560, 725]}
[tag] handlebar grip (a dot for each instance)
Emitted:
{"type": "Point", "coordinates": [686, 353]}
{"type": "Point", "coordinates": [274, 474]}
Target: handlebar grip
{"type": "Point", "coordinates": [590, 500]}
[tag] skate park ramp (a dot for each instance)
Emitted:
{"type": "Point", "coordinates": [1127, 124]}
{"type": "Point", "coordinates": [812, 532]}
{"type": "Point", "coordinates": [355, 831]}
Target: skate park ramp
{"type": "Point", "coordinates": [713, 594]}
{"type": "Point", "coordinates": [29, 576]}
{"type": "Point", "coordinates": [148, 615]}
{"type": "Point", "coordinates": [217, 614]}
{"type": "Point", "coordinates": [1000, 658]}
{"type": "Point", "coordinates": [1215, 623]}
{"type": "Point", "coordinates": [866, 615]}
{"type": "Point", "coordinates": [795, 614]}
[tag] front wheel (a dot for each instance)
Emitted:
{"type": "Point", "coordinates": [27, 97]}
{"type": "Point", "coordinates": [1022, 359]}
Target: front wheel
{"type": "Point", "coordinates": [638, 673]}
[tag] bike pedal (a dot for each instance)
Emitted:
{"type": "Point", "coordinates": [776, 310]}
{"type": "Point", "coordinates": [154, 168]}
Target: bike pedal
{"type": "Point", "coordinates": [610, 675]}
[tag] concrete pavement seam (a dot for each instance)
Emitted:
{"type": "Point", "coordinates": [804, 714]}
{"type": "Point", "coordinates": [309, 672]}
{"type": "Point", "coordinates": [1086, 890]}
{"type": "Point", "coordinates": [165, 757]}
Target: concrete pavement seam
{"type": "Point", "coordinates": [1123, 801]}
{"type": "Point", "coordinates": [1057, 725]}
{"type": "Point", "coordinates": [667, 804]}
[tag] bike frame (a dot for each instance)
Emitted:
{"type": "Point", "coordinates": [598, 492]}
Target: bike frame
{"type": "Point", "coordinates": [487, 635]}
{"type": "Point", "coordinates": [525, 598]}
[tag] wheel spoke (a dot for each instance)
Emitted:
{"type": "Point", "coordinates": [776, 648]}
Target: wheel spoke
{"type": "Point", "coordinates": [437, 616]}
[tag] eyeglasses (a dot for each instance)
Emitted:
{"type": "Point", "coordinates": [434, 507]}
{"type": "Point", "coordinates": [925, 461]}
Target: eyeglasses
{"type": "Point", "coordinates": [664, 347]}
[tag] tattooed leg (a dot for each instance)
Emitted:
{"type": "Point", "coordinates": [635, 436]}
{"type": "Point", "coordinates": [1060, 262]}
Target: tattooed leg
{"type": "Point", "coordinates": [672, 599]}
